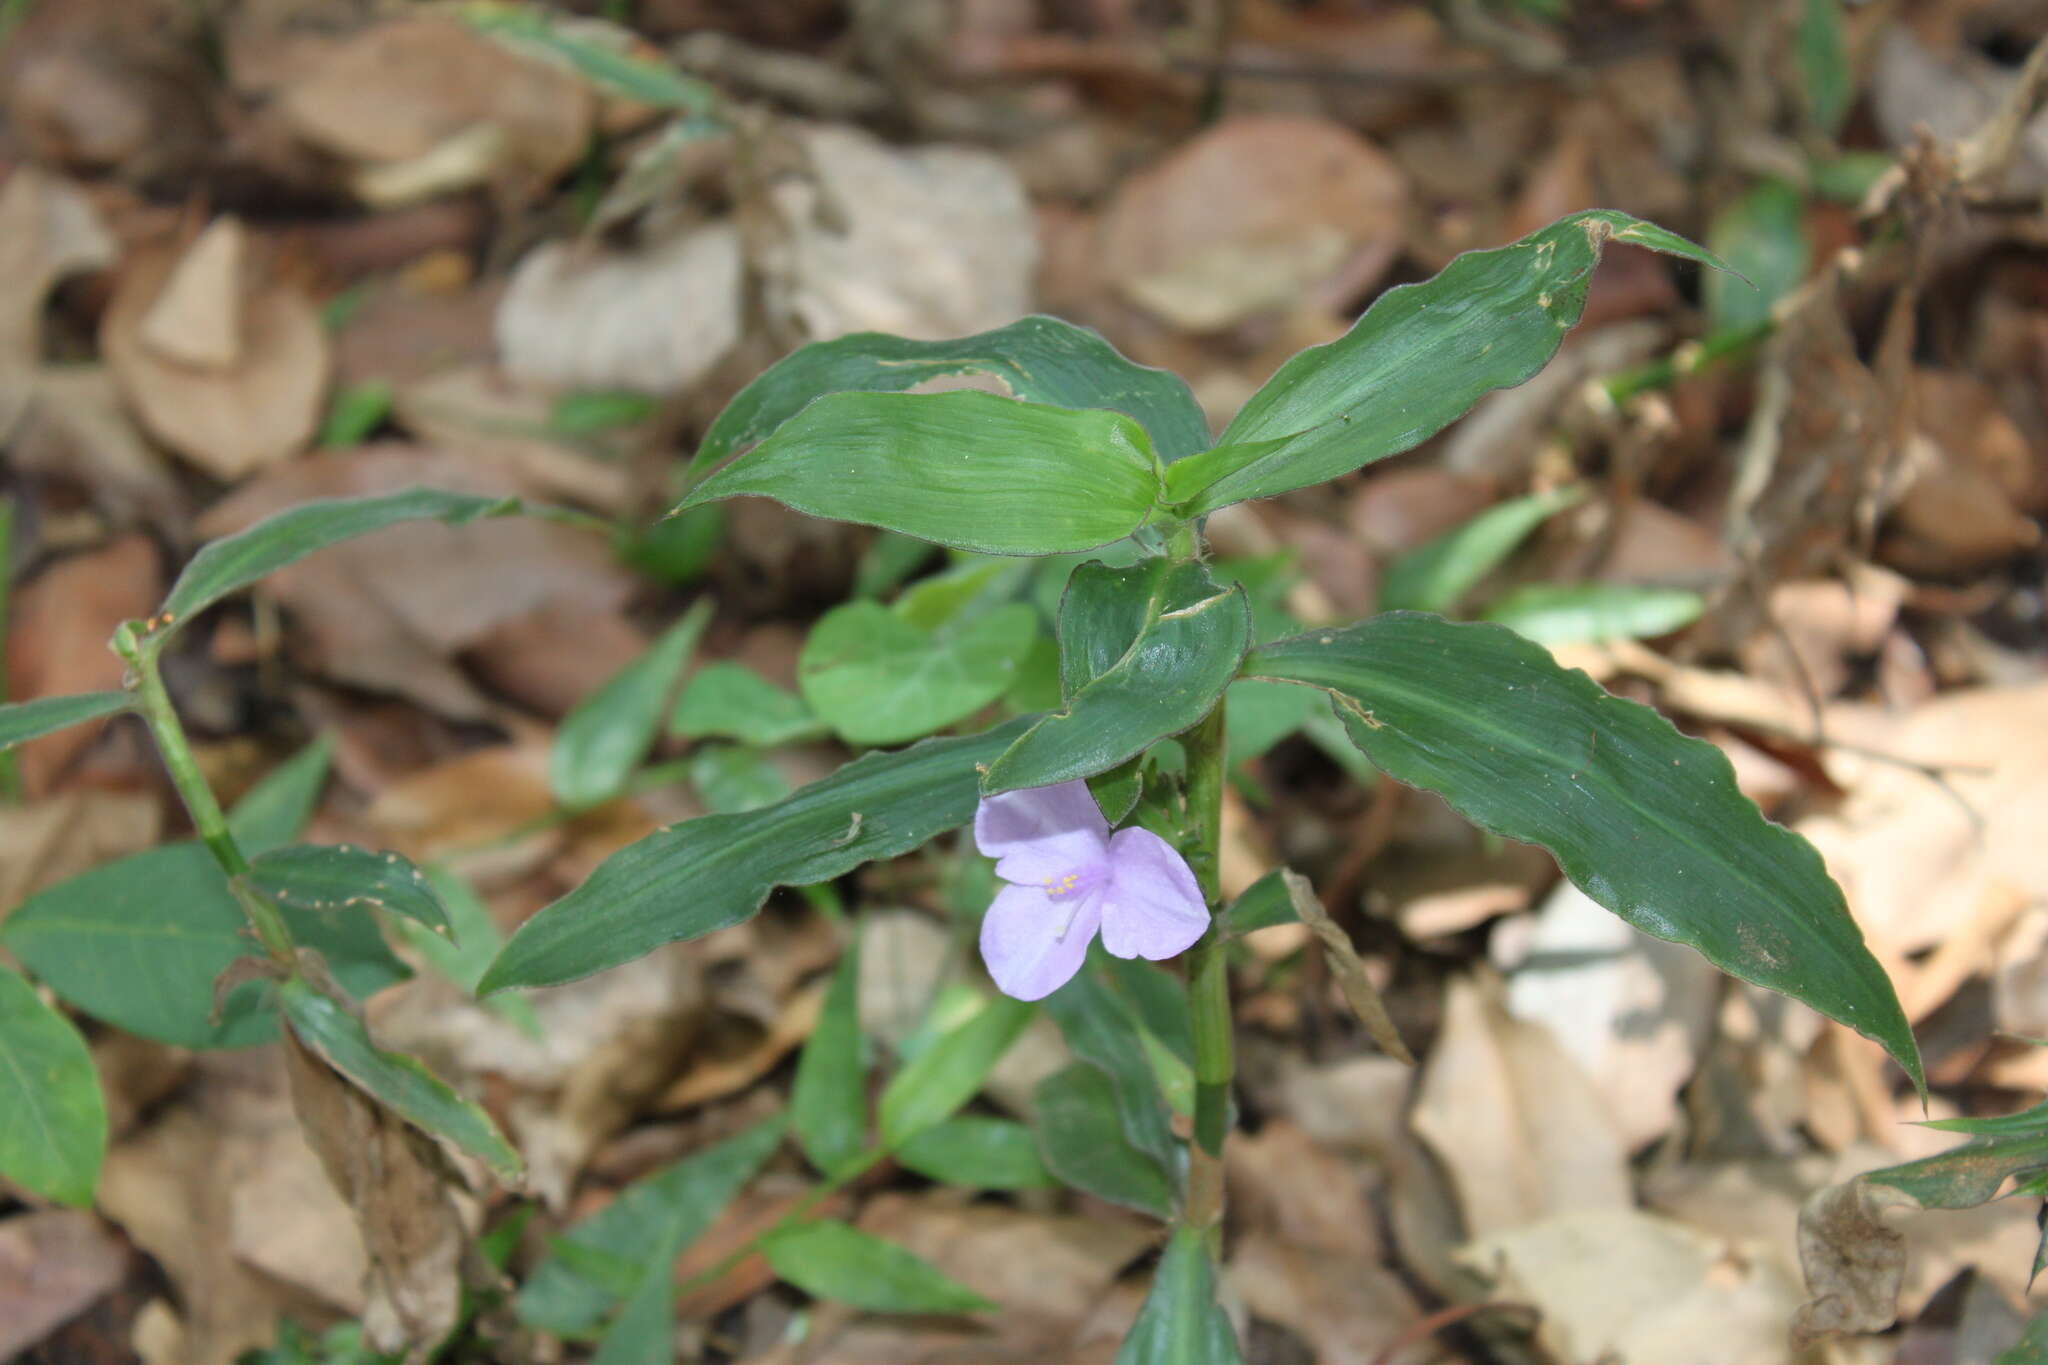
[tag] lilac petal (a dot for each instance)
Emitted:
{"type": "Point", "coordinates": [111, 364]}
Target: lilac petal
{"type": "Point", "coordinates": [1153, 908]}
{"type": "Point", "coordinates": [1022, 942]}
{"type": "Point", "coordinates": [1041, 834]}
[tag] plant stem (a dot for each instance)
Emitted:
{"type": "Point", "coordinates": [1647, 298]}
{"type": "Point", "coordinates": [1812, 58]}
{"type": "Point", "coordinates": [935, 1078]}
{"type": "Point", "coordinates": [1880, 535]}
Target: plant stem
{"type": "Point", "coordinates": [1208, 976]}
{"type": "Point", "coordinates": [207, 816]}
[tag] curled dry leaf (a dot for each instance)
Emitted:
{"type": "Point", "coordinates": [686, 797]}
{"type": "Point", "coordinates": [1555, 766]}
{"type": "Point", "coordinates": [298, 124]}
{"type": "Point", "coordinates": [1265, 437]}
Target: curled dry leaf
{"type": "Point", "coordinates": [223, 362]}
{"type": "Point", "coordinates": [1854, 1261]}
{"type": "Point", "coordinates": [1245, 218]}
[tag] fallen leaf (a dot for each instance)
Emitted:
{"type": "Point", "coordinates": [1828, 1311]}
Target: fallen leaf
{"type": "Point", "coordinates": [1855, 1260]}
{"type": "Point", "coordinates": [1292, 1188]}
{"type": "Point", "coordinates": [163, 335]}
{"type": "Point", "coordinates": [1516, 1123]}
{"type": "Point", "coordinates": [54, 1264]}
{"type": "Point", "coordinates": [1346, 1306]}
{"type": "Point", "coordinates": [483, 413]}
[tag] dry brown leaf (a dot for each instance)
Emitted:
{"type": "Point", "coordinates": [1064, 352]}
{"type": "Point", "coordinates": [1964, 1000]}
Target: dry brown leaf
{"type": "Point", "coordinates": [1348, 1307]}
{"type": "Point", "coordinates": [712, 1078]}
{"type": "Point", "coordinates": [54, 1264]}
{"type": "Point", "coordinates": [1250, 215]}
{"type": "Point", "coordinates": [386, 611]}
{"type": "Point", "coordinates": [476, 802]}
{"type": "Point", "coordinates": [48, 230]}
{"type": "Point", "coordinates": [1623, 1285]}
{"type": "Point", "coordinates": [57, 639]}
{"type": "Point", "coordinates": [1634, 1011]}
{"type": "Point", "coordinates": [1345, 965]}
{"type": "Point", "coordinates": [1516, 1123]}
{"type": "Point", "coordinates": [483, 413]}
{"type": "Point", "coordinates": [1288, 1185]}
{"type": "Point", "coordinates": [654, 318]}
{"type": "Point", "coordinates": [1855, 1261]}
{"type": "Point", "coordinates": [399, 89]}
{"type": "Point", "coordinates": [230, 419]}
{"type": "Point", "coordinates": [553, 658]}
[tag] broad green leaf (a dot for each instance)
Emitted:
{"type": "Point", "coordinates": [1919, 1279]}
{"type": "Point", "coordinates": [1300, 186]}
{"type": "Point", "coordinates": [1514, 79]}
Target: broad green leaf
{"type": "Point", "coordinates": [139, 942]}
{"type": "Point", "coordinates": [271, 813]}
{"type": "Point", "coordinates": [610, 732]}
{"type": "Point", "coordinates": [732, 778]}
{"type": "Point", "coordinates": [1421, 355]}
{"type": "Point", "coordinates": [1100, 1030]}
{"type": "Point", "coordinates": [1762, 235]}
{"type": "Point", "coordinates": [1181, 1322]}
{"type": "Point", "coordinates": [969, 470]}
{"type": "Point", "coordinates": [1259, 715]}
{"type": "Point", "coordinates": [53, 1118]}
{"type": "Point", "coordinates": [878, 679]}
{"type": "Point", "coordinates": [1145, 652]}
{"type": "Point", "coordinates": [234, 562]}
{"type": "Point", "coordinates": [727, 700]}
{"type": "Point", "coordinates": [711, 873]}
{"type": "Point", "coordinates": [400, 1083]}
{"type": "Point", "coordinates": [830, 1260]}
{"type": "Point", "coordinates": [977, 1153]}
{"type": "Point", "coordinates": [1041, 359]}
{"type": "Point", "coordinates": [1582, 613]}
{"type": "Point", "coordinates": [950, 1072]}
{"type": "Point", "coordinates": [1435, 575]}
{"type": "Point", "coordinates": [1825, 76]}
{"type": "Point", "coordinates": [25, 720]}
{"type": "Point", "coordinates": [1648, 822]}
{"type": "Point", "coordinates": [671, 1207]}
{"type": "Point", "coordinates": [341, 877]}
{"type": "Point", "coordinates": [828, 1106]}
{"type": "Point", "coordinates": [1083, 1143]}
{"type": "Point", "coordinates": [1264, 904]}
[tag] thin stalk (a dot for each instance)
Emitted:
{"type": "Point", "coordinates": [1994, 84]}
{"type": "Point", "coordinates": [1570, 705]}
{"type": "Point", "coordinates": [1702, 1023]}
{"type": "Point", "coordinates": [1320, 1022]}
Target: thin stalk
{"type": "Point", "coordinates": [207, 817]}
{"type": "Point", "coordinates": [1208, 979]}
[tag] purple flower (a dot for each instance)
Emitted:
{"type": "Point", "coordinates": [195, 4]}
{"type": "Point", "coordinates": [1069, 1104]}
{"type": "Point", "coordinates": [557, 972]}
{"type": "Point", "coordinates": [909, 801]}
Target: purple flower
{"type": "Point", "coordinates": [1069, 877]}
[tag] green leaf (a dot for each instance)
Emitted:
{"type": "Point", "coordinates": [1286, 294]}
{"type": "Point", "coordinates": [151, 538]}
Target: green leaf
{"type": "Point", "coordinates": [1083, 1142]}
{"type": "Point", "coordinates": [610, 65]}
{"type": "Point", "coordinates": [1582, 613]}
{"type": "Point", "coordinates": [1421, 355]}
{"type": "Point", "coordinates": [53, 1118]}
{"type": "Point", "coordinates": [830, 1260]}
{"type": "Point", "coordinates": [1971, 1174]}
{"type": "Point", "coordinates": [593, 411]}
{"type": "Point", "coordinates": [26, 720]}
{"type": "Point", "coordinates": [677, 549]}
{"type": "Point", "coordinates": [975, 584]}
{"type": "Point", "coordinates": [878, 679]}
{"type": "Point", "coordinates": [731, 778]}
{"type": "Point", "coordinates": [610, 732]}
{"type": "Point", "coordinates": [644, 1332]}
{"type": "Point", "coordinates": [271, 813]}
{"type": "Point", "coordinates": [1101, 1031]}
{"type": "Point", "coordinates": [1260, 715]}
{"type": "Point", "coordinates": [727, 700]}
{"type": "Point", "coordinates": [400, 1083]}
{"type": "Point", "coordinates": [969, 470]}
{"type": "Point", "coordinates": [951, 1071]}
{"type": "Point", "coordinates": [2031, 1348]}
{"type": "Point", "coordinates": [139, 942]}
{"type": "Point", "coordinates": [711, 873]}
{"type": "Point", "coordinates": [1181, 1322]}
{"type": "Point", "coordinates": [356, 412]}
{"type": "Point", "coordinates": [2026, 1122]}
{"type": "Point", "coordinates": [1145, 652]}
{"type": "Point", "coordinates": [466, 951]}
{"type": "Point", "coordinates": [828, 1106]}
{"type": "Point", "coordinates": [1434, 576]}
{"type": "Point", "coordinates": [1041, 359]}
{"type": "Point", "coordinates": [331, 877]}
{"type": "Point", "coordinates": [1821, 49]}
{"type": "Point", "coordinates": [1762, 235]}
{"type": "Point", "coordinates": [1264, 904]}
{"type": "Point", "coordinates": [234, 562]}
{"type": "Point", "coordinates": [670, 1208]}
{"type": "Point", "coordinates": [977, 1153]}
{"type": "Point", "coordinates": [1648, 822]}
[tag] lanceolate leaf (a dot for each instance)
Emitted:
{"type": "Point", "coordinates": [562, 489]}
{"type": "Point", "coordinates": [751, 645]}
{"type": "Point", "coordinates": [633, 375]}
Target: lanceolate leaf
{"type": "Point", "coordinates": [236, 561]}
{"type": "Point", "coordinates": [1420, 356]}
{"type": "Point", "coordinates": [829, 1103]}
{"type": "Point", "coordinates": [25, 720]}
{"type": "Point", "coordinates": [833, 1261]}
{"type": "Point", "coordinates": [1181, 1322]}
{"type": "Point", "coordinates": [728, 700]}
{"type": "Point", "coordinates": [1648, 822]}
{"type": "Point", "coordinates": [341, 879]}
{"type": "Point", "coordinates": [1041, 359]}
{"type": "Point", "coordinates": [1101, 1031]}
{"type": "Point", "coordinates": [951, 1071]}
{"type": "Point", "coordinates": [271, 814]}
{"type": "Point", "coordinates": [713, 872]}
{"type": "Point", "coordinates": [53, 1118]}
{"type": "Point", "coordinates": [398, 1082]}
{"type": "Point", "coordinates": [1434, 576]}
{"type": "Point", "coordinates": [977, 1153]}
{"type": "Point", "coordinates": [609, 733]}
{"type": "Point", "coordinates": [1145, 652]}
{"type": "Point", "coordinates": [1084, 1145]}
{"type": "Point", "coordinates": [138, 943]}
{"type": "Point", "coordinates": [969, 470]}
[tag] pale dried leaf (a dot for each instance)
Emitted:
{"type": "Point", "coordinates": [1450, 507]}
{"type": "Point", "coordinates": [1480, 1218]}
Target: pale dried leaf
{"type": "Point", "coordinates": [54, 1264]}
{"type": "Point", "coordinates": [1350, 971]}
{"type": "Point", "coordinates": [197, 319]}
{"type": "Point", "coordinates": [1854, 1260]}
{"type": "Point", "coordinates": [1346, 1306]}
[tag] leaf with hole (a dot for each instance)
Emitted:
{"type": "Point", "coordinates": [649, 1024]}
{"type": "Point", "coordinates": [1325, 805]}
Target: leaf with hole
{"type": "Point", "coordinates": [1647, 821]}
{"type": "Point", "coordinates": [340, 877]}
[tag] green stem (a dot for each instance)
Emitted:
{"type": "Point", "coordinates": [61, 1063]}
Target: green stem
{"type": "Point", "coordinates": [1208, 975]}
{"type": "Point", "coordinates": [207, 817]}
